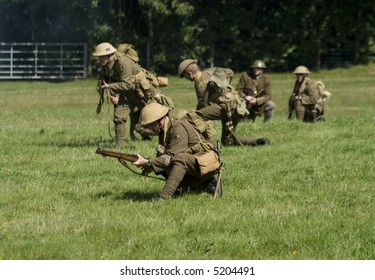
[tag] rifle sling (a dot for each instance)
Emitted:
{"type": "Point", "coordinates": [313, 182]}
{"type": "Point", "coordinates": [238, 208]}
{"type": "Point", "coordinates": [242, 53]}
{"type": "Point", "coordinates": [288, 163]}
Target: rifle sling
{"type": "Point", "coordinates": [126, 165]}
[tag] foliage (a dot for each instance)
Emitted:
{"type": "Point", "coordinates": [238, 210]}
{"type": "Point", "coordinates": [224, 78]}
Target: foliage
{"type": "Point", "coordinates": [308, 195]}
{"type": "Point", "coordinates": [318, 34]}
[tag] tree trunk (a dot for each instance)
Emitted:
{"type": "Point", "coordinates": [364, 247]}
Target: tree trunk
{"type": "Point", "coordinates": [150, 37]}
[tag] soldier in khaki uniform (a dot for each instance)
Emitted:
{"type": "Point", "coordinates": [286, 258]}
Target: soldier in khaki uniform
{"type": "Point", "coordinates": [180, 147]}
{"type": "Point", "coordinates": [256, 85]}
{"type": "Point", "coordinates": [201, 78]}
{"type": "Point", "coordinates": [219, 100]}
{"type": "Point", "coordinates": [304, 97]}
{"type": "Point", "coordinates": [128, 86]}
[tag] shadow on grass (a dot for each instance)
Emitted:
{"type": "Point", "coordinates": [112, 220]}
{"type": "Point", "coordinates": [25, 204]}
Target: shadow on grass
{"type": "Point", "coordinates": [128, 195]}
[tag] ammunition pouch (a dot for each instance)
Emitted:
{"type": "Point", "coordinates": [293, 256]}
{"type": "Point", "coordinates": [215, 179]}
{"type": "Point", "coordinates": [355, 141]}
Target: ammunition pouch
{"type": "Point", "coordinates": [156, 96]}
{"type": "Point", "coordinates": [241, 108]}
{"type": "Point", "coordinates": [162, 81]}
{"type": "Point", "coordinates": [142, 81]}
{"type": "Point", "coordinates": [146, 89]}
{"type": "Point", "coordinates": [200, 147]}
{"type": "Point", "coordinates": [208, 162]}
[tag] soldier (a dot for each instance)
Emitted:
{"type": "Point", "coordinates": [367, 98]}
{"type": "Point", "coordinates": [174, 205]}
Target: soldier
{"type": "Point", "coordinates": [129, 87]}
{"type": "Point", "coordinates": [180, 148]}
{"type": "Point", "coordinates": [190, 70]}
{"type": "Point", "coordinates": [304, 97]}
{"type": "Point", "coordinates": [256, 85]}
{"type": "Point", "coordinates": [219, 101]}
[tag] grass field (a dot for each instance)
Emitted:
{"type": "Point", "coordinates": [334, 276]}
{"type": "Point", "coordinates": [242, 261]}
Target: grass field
{"type": "Point", "coordinates": [308, 195]}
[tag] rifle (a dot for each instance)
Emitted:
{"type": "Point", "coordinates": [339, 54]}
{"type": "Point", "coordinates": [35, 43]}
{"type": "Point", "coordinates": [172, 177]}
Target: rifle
{"type": "Point", "coordinates": [291, 106]}
{"type": "Point", "coordinates": [100, 91]}
{"type": "Point", "coordinates": [123, 158]}
{"type": "Point", "coordinates": [219, 184]}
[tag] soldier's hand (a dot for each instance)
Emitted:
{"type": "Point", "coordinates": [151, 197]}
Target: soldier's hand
{"type": "Point", "coordinates": [251, 99]}
{"type": "Point", "coordinates": [141, 161]}
{"type": "Point", "coordinates": [105, 85]}
{"type": "Point", "coordinates": [114, 100]}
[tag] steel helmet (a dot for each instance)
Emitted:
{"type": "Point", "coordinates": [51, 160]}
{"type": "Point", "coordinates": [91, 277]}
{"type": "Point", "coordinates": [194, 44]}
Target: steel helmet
{"type": "Point", "coordinates": [104, 49]}
{"type": "Point", "coordinates": [301, 70]}
{"type": "Point", "coordinates": [258, 64]}
{"type": "Point", "coordinates": [153, 112]}
{"type": "Point", "coordinates": [184, 64]}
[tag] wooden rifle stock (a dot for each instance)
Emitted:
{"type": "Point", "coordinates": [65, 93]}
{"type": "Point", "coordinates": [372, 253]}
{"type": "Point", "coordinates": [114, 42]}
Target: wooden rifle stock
{"type": "Point", "coordinates": [291, 106]}
{"type": "Point", "coordinates": [101, 94]}
{"type": "Point", "coordinates": [123, 156]}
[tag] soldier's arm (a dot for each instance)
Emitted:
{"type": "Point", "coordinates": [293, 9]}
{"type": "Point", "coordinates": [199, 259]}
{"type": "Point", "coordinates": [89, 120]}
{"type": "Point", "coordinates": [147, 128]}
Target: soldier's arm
{"type": "Point", "coordinates": [266, 94]}
{"type": "Point", "coordinates": [241, 86]}
{"type": "Point", "coordinates": [124, 85]}
{"type": "Point", "coordinates": [178, 144]}
{"type": "Point", "coordinates": [311, 94]}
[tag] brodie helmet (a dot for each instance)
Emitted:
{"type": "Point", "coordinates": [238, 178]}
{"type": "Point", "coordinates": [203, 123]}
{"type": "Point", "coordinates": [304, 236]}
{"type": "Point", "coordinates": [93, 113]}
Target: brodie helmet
{"type": "Point", "coordinates": [184, 64]}
{"type": "Point", "coordinates": [104, 49]}
{"type": "Point", "coordinates": [153, 112]}
{"type": "Point", "coordinates": [258, 64]}
{"type": "Point", "coordinates": [301, 70]}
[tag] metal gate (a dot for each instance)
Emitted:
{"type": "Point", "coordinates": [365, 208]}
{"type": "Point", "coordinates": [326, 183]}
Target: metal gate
{"type": "Point", "coordinates": [43, 61]}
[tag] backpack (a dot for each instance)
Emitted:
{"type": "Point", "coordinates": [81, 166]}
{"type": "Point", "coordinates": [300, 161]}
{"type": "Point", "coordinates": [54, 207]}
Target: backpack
{"type": "Point", "coordinates": [129, 51]}
{"type": "Point", "coordinates": [206, 128]}
{"type": "Point", "coordinates": [324, 95]}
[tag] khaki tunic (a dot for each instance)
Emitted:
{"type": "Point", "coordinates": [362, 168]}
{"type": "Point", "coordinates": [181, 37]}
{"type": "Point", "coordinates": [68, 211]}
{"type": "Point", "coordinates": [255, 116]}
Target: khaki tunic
{"type": "Point", "coordinates": [182, 167]}
{"type": "Point", "coordinates": [118, 73]}
{"type": "Point", "coordinates": [309, 96]}
{"type": "Point", "coordinates": [201, 84]}
{"type": "Point", "coordinates": [258, 87]}
{"type": "Point", "coordinates": [224, 104]}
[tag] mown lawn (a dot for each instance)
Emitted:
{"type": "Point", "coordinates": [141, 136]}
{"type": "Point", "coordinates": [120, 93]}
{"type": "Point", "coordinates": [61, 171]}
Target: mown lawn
{"type": "Point", "coordinates": [308, 195]}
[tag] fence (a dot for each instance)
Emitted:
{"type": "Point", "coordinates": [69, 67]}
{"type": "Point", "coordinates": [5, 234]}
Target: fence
{"type": "Point", "coordinates": [43, 61]}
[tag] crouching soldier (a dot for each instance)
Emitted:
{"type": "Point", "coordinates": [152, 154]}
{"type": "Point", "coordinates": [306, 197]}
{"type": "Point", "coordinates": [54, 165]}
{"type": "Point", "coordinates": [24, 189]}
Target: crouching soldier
{"type": "Point", "coordinates": [305, 96]}
{"type": "Point", "coordinates": [220, 102]}
{"type": "Point", "coordinates": [257, 89]}
{"type": "Point", "coordinates": [185, 157]}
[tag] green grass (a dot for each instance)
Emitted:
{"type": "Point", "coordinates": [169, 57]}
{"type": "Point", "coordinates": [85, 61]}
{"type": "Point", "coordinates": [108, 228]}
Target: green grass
{"type": "Point", "coordinates": [308, 195]}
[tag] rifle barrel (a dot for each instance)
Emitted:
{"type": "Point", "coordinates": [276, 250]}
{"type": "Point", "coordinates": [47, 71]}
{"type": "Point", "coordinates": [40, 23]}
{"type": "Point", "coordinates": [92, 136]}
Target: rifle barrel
{"type": "Point", "coordinates": [108, 153]}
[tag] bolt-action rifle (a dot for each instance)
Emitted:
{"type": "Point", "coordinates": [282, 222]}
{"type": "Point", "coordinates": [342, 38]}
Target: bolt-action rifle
{"type": "Point", "coordinates": [100, 91]}
{"type": "Point", "coordinates": [291, 106]}
{"type": "Point", "coordinates": [123, 158]}
{"type": "Point", "coordinates": [219, 184]}
{"type": "Point", "coordinates": [102, 96]}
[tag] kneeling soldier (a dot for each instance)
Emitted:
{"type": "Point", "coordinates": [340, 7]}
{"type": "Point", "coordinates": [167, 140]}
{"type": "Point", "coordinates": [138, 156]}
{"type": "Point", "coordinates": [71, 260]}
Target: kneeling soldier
{"type": "Point", "coordinates": [181, 150]}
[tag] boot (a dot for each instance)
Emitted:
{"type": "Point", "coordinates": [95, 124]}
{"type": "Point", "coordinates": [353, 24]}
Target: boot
{"type": "Point", "coordinates": [247, 141]}
{"type": "Point", "coordinates": [263, 141]}
{"type": "Point", "coordinates": [120, 135]}
{"type": "Point", "coordinates": [313, 115]}
{"type": "Point", "coordinates": [267, 115]}
{"type": "Point", "coordinates": [211, 185]}
{"type": "Point", "coordinates": [146, 137]}
{"type": "Point", "coordinates": [132, 136]}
